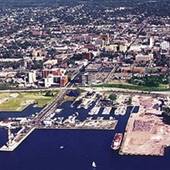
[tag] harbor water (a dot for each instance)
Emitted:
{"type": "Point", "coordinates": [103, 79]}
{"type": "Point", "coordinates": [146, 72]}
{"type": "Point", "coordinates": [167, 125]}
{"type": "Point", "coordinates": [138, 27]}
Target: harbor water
{"type": "Point", "coordinates": [76, 150]}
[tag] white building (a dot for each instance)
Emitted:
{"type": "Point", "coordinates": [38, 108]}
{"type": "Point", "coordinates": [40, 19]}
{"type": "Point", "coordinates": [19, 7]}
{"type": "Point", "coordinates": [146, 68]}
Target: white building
{"type": "Point", "coordinates": [165, 45]}
{"type": "Point", "coordinates": [141, 57]}
{"type": "Point", "coordinates": [123, 48]}
{"type": "Point", "coordinates": [48, 81]}
{"type": "Point", "coordinates": [32, 77]}
{"type": "Point", "coordinates": [151, 42]}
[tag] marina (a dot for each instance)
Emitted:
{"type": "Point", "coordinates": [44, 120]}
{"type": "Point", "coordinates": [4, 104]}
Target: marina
{"type": "Point", "coordinates": [84, 84]}
{"type": "Point", "coordinates": [75, 142]}
{"type": "Point", "coordinates": [87, 124]}
{"type": "Point", "coordinates": [86, 146]}
{"type": "Point", "coordinates": [65, 116]}
{"type": "Point", "coordinates": [100, 114]}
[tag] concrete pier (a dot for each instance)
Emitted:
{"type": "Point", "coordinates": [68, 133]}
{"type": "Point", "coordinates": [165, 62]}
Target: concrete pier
{"type": "Point", "coordinates": [12, 144]}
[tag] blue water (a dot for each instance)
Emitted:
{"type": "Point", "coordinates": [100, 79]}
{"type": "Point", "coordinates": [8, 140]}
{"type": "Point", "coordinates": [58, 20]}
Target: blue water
{"type": "Point", "coordinates": [41, 150]}
{"type": "Point", "coordinates": [26, 112]}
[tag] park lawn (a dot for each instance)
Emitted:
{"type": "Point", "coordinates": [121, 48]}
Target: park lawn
{"type": "Point", "coordinates": [21, 100]}
{"type": "Point", "coordinates": [135, 87]}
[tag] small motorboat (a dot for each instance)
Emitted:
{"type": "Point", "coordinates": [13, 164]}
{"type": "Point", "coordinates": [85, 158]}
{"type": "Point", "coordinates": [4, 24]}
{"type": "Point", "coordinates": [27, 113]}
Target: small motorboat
{"type": "Point", "coordinates": [61, 147]}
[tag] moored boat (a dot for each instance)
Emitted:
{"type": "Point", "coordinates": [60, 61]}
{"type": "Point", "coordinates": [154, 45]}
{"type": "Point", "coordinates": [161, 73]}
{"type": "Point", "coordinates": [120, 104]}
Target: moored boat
{"type": "Point", "coordinates": [117, 141]}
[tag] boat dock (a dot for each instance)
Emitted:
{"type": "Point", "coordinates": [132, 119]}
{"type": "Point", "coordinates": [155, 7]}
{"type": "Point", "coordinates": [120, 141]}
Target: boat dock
{"type": "Point", "coordinates": [14, 142]}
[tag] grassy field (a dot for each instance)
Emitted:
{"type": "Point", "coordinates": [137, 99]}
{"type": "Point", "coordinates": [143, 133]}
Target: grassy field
{"type": "Point", "coordinates": [134, 87]}
{"type": "Point", "coordinates": [18, 101]}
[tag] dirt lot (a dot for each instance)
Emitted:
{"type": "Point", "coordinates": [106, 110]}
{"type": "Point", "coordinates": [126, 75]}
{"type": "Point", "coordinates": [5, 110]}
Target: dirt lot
{"type": "Point", "coordinates": [146, 134]}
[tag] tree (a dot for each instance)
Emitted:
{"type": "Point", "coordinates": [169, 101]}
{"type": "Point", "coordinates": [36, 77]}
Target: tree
{"type": "Point", "coordinates": [49, 93]}
{"type": "Point", "coordinates": [113, 97]}
{"type": "Point", "coordinates": [129, 102]}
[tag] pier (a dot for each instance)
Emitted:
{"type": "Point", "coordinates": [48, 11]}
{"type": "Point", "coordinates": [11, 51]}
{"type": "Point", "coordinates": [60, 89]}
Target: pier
{"type": "Point", "coordinates": [35, 122]}
{"type": "Point", "coordinates": [15, 141]}
{"type": "Point", "coordinates": [141, 129]}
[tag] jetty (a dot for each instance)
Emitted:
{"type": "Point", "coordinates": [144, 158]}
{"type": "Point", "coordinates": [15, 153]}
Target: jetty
{"type": "Point", "coordinates": [15, 140]}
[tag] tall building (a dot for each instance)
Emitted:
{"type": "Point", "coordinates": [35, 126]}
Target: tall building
{"type": "Point", "coordinates": [32, 77]}
{"type": "Point", "coordinates": [85, 78]}
{"type": "Point", "coordinates": [169, 71]}
{"type": "Point", "coordinates": [108, 39]}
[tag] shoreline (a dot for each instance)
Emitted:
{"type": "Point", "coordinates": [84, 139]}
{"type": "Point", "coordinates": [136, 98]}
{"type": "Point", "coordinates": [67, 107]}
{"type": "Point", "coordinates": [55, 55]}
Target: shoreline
{"type": "Point", "coordinates": [15, 144]}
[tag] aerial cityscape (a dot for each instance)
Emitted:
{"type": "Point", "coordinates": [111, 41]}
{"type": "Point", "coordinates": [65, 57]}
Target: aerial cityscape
{"type": "Point", "coordinates": [84, 84]}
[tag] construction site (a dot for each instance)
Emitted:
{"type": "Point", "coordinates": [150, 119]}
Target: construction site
{"type": "Point", "coordinates": [146, 133]}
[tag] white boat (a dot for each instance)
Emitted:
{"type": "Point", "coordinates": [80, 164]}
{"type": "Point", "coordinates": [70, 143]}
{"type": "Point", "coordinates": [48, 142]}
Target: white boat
{"type": "Point", "coordinates": [121, 110]}
{"type": "Point", "coordinates": [106, 110]}
{"type": "Point", "coordinates": [61, 147]}
{"type": "Point", "coordinates": [94, 164]}
{"type": "Point", "coordinates": [94, 111]}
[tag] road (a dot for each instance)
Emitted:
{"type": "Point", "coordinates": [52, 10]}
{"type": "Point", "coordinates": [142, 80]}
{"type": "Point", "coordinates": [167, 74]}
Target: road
{"type": "Point", "coordinates": [141, 27]}
{"type": "Point", "coordinates": [110, 75]}
{"type": "Point", "coordinates": [115, 37]}
{"type": "Point", "coordinates": [50, 108]}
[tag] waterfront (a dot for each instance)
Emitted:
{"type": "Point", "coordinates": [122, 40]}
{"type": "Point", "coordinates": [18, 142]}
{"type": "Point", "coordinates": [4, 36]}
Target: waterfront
{"type": "Point", "coordinates": [41, 151]}
{"type": "Point", "coordinates": [76, 149]}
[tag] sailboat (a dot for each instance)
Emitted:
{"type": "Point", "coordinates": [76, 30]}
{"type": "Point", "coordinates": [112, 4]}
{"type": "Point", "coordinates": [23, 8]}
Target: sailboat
{"type": "Point", "coordinates": [94, 164]}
